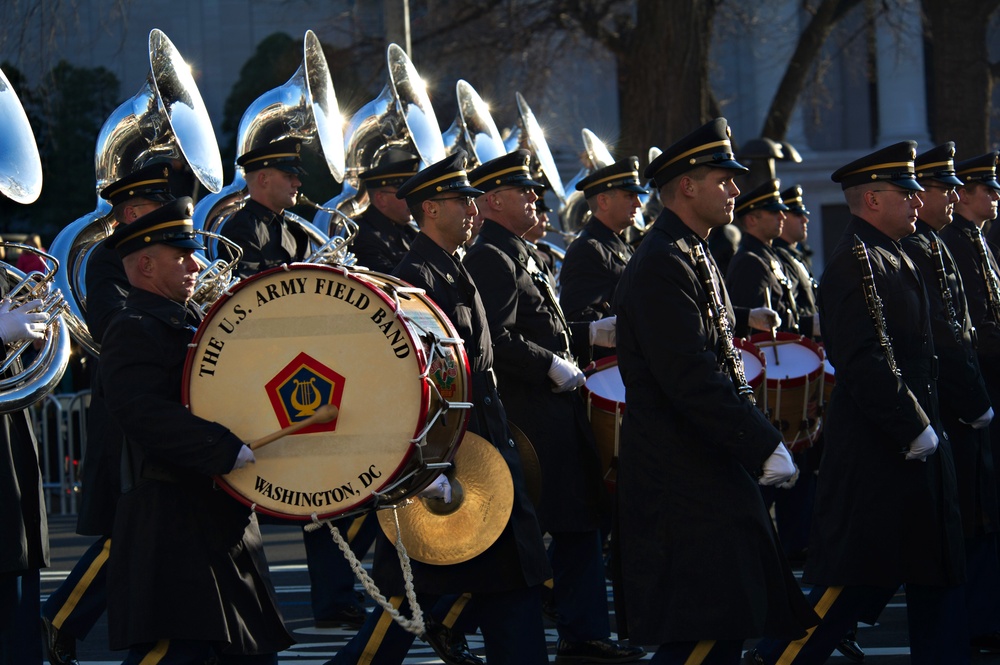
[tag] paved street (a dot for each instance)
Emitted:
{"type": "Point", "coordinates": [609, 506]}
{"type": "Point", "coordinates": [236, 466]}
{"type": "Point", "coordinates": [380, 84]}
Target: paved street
{"type": "Point", "coordinates": [885, 644]}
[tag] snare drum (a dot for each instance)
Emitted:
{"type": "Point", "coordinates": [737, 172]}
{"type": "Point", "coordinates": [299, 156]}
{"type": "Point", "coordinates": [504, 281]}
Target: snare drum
{"type": "Point", "coordinates": [794, 386]}
{"type": "Point", "coordinates": [284, 342]}
{"type": "Point", "coordinates": [605, 395]}
{"type": "Point", "coordinates": [754, 366]}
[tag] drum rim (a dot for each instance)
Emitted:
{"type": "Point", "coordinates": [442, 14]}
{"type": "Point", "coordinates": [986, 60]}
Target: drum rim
{"type": "Point", "coordinates": [746, 345]}
{"type": "Point", "coordinates": [370, 501]}
{"type": "Point", "coordinates": [606, 404]}
{"type": "Point", "coordinates": [796, 381]}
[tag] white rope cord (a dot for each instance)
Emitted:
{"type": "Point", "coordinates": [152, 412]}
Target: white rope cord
{"type": "Point", "coordinates": [414, 625]}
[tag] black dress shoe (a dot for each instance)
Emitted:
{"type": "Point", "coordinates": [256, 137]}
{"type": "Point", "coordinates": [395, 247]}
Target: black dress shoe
{"type": "Point", "coordinates": [61, 647]}
{"type": "Point", "coordinates": [990, 642]}
{"type": "Point", "coordinates": [449, 645]}
{"type": "Point", "coordinates": [751, 657]}
{"type": "Point", "coordinates": [850, 649]}
{"type": "Point", "coordinates": [597, 651]}
{"type": "Point", "coordinates": [349, 617]}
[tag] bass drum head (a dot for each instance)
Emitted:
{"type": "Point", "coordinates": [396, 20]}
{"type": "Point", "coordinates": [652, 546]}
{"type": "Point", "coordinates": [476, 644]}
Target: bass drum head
{"type": "Point", "coordinates": [288, 340]}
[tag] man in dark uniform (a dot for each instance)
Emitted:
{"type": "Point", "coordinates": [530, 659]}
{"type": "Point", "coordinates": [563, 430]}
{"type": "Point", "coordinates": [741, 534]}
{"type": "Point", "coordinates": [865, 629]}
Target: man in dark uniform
{"type": "Point", "coordinates": [886, 502]}
{"type": "Point", "coordinates": [505, 579]}
{"type": "Point", "coordinates": [75, 606]}
{"type": "Point", "coordinates": [976, 261]}
{"type": "Point", "coordinates": [537, 375]}
{"type": "Point", "coordinates": [756, 276]}
{"type": "Point", "coordinates": [267, 241]}
{"type": "Point", "coordinates": [187, 578]}
{"type": "Point", "coordinates": [702, 568]}
{"type": "Point", "coordinates": [790, 248]}
{"type": "Point", "coordinates": [259, 228]}
{"type": "Point", "coordinates": [965, 405]}
{"type": "Point", "coordinates": [384, 231]}
{"type": "Point", "coordinates": [598, 256]}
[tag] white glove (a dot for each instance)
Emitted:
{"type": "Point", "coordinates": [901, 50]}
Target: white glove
{"type": "Point", "coordinates": [565, 375]}
{"type": "Point", "coordinates": [19, 324]}
{"type": "Point", "coordinates": [816, 328]}
{"type": "Point", "coordinates": [602, 333]}
{"type": "Point", "coordinates": [778, 468]}
{"type": "Point", "coordinates": [439, 488]}
{"type": "Point", "coordinates": [790, 483]}
{"type": "Point", "coordinates": [923, 445]}
{"type": "Point", "coordinates": [982, 421]}
{"type": "Point", "coordinates": [245, 457]}
{"type": "Point", "coordinates": [764, 318]}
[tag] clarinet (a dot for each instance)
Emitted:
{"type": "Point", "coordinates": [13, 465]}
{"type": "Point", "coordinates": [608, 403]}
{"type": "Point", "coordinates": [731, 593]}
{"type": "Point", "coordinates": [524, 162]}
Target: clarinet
{"type": "Point", "coordinates": [946, 295]}
{"type": "Point", "coordinates": [874, 303]}
{"type": "Point", "coordinates": [989, 275]}
{"type": "Point", "coordinates": [715, 310]}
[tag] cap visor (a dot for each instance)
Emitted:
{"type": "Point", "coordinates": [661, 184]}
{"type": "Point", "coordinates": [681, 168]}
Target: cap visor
{"type": "Point", "coordinates": [907, 183]}
{"type": "Point", "coordinates": [635, 188]}
{"type": "Point", "coordinates": [728, 164]}
{"type": "Point", "coordinates": [185, 243]}
{"type": "Point", "coordinates": [291, 168]}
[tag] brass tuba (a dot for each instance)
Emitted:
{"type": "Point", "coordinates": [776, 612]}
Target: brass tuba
{"type": "Point", "coordinates": [21, 180]}
{"type": "Point", "coordinates": [574, 212]}
{"type": "Point", "coordinates": [474, 129]}
{"type": "Point", "coordinates": [166, 120]}
{"type": "Point", "coordinates": [401, 117]}
{"type": "Point", "coordinates": [304, 107]}
{"type": "Point", "coordinates": [528, 134]}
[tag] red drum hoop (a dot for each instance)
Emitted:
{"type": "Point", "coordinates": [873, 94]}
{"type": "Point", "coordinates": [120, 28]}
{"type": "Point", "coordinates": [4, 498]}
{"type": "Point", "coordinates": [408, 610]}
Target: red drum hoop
{"type": "Point", "coordinates": [281, 343]}
{"type": "Point", "coordinates": [794, 386]}
{"type": "Point", "coordinates": [604, 392]}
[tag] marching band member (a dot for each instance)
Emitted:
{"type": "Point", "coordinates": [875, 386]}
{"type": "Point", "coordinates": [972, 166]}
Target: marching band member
{"type": "Point", "coordinates": [267, 241]}
{"type": "Point", "coordinates": [965, 405]}
{"type": "Point", "coordinates": [886, 503]}
{"type": "Point", "coordinates": [73, 609]}
{"type": "Point", "coordinates": [534, 349]}
{"type": "Point", "coordinates": [187, 580]}
{"type": "Point", "coordinates": [790, 248]}
{"type": "Point", "coordinates": [702, 567]}
{"type": "Point", "coordinates": [505, 579]}
{"type": "Point", "coordinates": [259, 227]}
{"type": "Point", "coordinates": [597, 257]}
{"type": "Point", "coordinates": [975, 257]}
{"type": "Point", "coordinates": [384, 231]}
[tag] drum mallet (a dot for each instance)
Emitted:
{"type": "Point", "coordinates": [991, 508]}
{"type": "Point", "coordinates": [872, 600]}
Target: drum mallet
{"type": "Point", "coordinates": [324, 414]}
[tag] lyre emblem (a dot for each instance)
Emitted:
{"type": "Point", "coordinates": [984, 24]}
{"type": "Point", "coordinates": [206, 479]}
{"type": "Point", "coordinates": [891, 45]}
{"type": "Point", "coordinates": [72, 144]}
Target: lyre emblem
{"type": "Point", "coordinates": [305, 398]}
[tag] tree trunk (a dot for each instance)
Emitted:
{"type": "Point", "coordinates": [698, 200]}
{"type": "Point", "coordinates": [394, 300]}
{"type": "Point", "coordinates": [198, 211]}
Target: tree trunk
{"type": "Point", "coordinates": [663, 74]}
{"type": "Point", "coordinates": [961, 81]}
{"type": "Point", "coordinates": [806, 50]}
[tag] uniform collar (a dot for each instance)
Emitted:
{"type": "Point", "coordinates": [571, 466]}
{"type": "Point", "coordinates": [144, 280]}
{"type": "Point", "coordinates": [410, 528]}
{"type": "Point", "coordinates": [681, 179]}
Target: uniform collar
{"type": "Point", "coordinates": [174, 314]}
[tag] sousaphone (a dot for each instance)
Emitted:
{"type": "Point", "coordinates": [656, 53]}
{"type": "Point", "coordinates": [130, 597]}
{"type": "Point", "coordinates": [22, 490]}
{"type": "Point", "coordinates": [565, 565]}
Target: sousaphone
{"type": "Point", "coordinates": [400, 118]}
{"type": "Point", "coordinates": [528, 135]}
{"type": "Point", "coordinates": [166, 120]}
{"type": "Point", "coordinates": [21, 181]}
{"type": "Point", "coordinates": [574, 212]}
{"type": "Point", "coordinates": [304, 107]}
{"type": "Point", "coordinates": [474, 129]}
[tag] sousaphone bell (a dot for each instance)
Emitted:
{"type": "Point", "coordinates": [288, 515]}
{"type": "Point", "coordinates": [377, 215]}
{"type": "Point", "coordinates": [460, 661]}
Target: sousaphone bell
{"type": "Point", "coordinates": [474, 129]}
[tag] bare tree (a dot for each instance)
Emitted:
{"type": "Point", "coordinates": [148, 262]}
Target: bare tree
{"type": "Point", "coordinates": [961, 72]}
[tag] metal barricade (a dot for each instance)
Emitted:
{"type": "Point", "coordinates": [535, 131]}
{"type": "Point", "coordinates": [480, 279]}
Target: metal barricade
{"type": "Point", "coordinates": [60, 426]}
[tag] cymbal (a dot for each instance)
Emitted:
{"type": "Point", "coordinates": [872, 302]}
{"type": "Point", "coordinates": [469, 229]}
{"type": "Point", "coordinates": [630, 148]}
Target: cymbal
{"type": "Point", "coordinates": [529, 463]}
{"type": "Point", "coordinates": [442, 533]}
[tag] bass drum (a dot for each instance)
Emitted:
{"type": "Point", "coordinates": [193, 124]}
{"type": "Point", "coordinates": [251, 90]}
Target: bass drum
{"type": "Point", "coordinates": [286, 341]}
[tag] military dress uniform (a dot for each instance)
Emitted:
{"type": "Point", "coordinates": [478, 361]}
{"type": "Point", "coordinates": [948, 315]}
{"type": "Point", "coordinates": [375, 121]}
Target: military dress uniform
{"type": "Point", "coordinates": [797, 267]}
{"type": "Point", "coordinates": [756, 275]}
{"type": "Point", "coordinates": [381, 243]}
{"type": "Point", "coordinates": [595, 260]}
{"type": "Point", "coordinates": [266, 239]}
{"type": "Point", "coordinates": [504, 580]}
{"type": "Point", "coordinates": [880, 520]}
{"type": "Point", "coordinates": [528, 327]}
{"type": "Point", "coordinates": [702, 566]}
{"type": "Point", "coordinates": [73, 609]}
{"type": "Point", "coordinates": [188, 567]}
